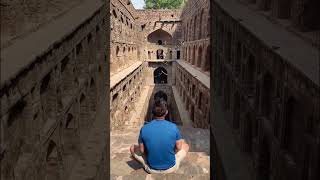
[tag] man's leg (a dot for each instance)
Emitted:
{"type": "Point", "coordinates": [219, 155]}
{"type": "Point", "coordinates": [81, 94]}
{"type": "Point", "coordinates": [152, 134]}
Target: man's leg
{"type": "Point", "coordinates": [140, 157]}
{"type": "Point", "coordinates": [180, 155]}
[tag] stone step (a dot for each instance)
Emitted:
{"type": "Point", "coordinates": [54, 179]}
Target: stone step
{"type": "Point", "coordinates": [196, 163]}
{"type": "Point", "coordinates": [195, 166]}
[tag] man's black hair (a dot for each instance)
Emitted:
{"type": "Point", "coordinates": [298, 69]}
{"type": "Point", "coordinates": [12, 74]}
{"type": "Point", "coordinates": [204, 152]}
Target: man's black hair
{"type": "Point", "coordinates": [159, 108]}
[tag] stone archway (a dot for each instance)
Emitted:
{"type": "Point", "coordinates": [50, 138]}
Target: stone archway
{"type": "Point", "coordinates": [92, 97]}
{"type": "Point", "coordinates": [48, 97]}
{"type": "Point", "coordinates": [294, 127]}
{"type": "Point", "coordinates": [206, 64]}
{"type": "Point", "coordinates": [84, 115]}
{"type": "Point", "coordinates": [161, 95]}
{"type": "Point", "coordinates": [193, 60]}
{"type": "Point", "coordinates": [199, 59]}
{"type": "Point", "coordinates": [160, 76]}
{"type": "Point", "coordinates": [201, 24]}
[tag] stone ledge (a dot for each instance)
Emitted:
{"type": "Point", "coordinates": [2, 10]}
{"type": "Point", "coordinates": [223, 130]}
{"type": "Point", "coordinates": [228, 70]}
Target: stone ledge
{"type": "Point", "coordinates": [293, 49]}
{"type": "Point", "coordinates": [13, 62]}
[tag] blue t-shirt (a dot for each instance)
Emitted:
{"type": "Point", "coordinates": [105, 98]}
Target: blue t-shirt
{"type": "Point", "coordinates": [159, 139]}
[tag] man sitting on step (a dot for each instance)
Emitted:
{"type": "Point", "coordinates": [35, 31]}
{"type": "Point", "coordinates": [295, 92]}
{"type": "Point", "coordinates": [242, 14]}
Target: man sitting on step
{"type": "Point", "coordinates": [161, 147]}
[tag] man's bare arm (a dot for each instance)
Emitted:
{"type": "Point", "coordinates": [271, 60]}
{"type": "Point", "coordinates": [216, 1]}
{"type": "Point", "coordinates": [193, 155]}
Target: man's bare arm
{"type": "Point", "coordinates": [179, 145]}
{"type": "Point", "coordinates": [141, 146]}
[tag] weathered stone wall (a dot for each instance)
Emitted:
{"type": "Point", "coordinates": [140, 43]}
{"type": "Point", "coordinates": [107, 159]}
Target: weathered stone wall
{"type": "Point", "coordinates": [49, 106]}
{"type": "Point", "coordinates": [125, 49]}
{"type": "Point", "coordinates": [165, 22]}
{"type": "Point", "coordinates": [269, 100]}
{"type": "Point", "coordinates": [195, 96]}
{"type": "Point", "coordinates": [196, 53]}
{"type": "Point", "coordinates": [124, 96]}
{"type": "Point", "coordinates": [196, 34]}
{"type": "Point", "coordinates": [18, 18]}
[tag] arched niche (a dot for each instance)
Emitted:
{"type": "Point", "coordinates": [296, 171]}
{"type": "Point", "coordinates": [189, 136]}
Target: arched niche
{"type": "Point", "coordinates": [160, 37]}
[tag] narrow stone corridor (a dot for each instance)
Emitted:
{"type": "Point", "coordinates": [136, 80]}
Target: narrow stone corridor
{"type": "Point", "coordinates": [195, 166]}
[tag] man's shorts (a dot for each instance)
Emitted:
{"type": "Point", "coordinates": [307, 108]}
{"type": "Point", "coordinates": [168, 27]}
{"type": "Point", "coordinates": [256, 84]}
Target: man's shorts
{"type": "Point", "coordinates": [179, 157]}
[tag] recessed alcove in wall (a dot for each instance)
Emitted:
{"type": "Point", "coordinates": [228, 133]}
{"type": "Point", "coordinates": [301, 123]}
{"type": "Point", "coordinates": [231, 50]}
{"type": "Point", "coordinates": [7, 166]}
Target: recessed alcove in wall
{"type": "Point", "coordinates": [160, 54]}
{"type": "Point", "coordinates": [160, 37]}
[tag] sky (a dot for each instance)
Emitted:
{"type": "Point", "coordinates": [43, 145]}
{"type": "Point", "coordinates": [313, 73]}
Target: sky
{"type": "Point", "coordinates": [138, 4]}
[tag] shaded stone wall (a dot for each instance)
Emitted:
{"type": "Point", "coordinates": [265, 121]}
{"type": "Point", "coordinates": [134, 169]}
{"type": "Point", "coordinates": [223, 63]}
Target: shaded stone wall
{"type": "Point", "coordinates": [51, 104]}
{"type": "Point", "coordinates": [269, 101]}
{"type": "Point", "coordinates": [19, 18]}
{"type": "Point", "coordinates": [196, 34]}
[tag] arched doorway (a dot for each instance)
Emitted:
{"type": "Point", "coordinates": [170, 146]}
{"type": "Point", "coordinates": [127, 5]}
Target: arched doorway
{"type": "Point", "coordinates": [84, 115]}
{"type": "Point", "coordinates": [48, 97]}
{"type": "Point", "coordinates": [199, 60]}
{"type": "Point", "coordinates": [160, 76]}
{"type": "Point", "coordinates": [193, 61]}
{"type": "Point", "coordinates": [52, 162]}
{"type": "Point", "coordinates": [161, 95]}
{"type": "Point", "coordinates": [293, 126]}
{"type": "Point", "coordinates": [93, 96]}
{"type": "Point", "coordinates": [267, 95]}
{"type": "Point", "coordinates": [207, 59]}
{"type": "Point", "coordinates": [149, 55]}
{"type": "Point", "coordinates": [160, 54]}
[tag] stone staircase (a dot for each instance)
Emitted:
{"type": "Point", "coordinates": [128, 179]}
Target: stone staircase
{"type": "Point", "coordinates": [196, 166]}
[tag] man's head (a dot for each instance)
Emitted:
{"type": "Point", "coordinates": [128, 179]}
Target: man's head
{"type": "Point", "coordinates": [160, 109]}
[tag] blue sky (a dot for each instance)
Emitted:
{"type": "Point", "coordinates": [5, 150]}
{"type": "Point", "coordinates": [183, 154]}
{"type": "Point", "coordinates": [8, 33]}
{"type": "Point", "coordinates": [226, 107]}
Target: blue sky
{"type": "Point", "coordinates": [138, 4]}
